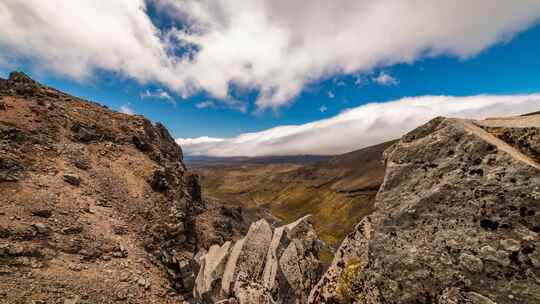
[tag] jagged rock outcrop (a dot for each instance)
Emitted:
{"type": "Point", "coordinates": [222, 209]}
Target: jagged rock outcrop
{"type": "Point", "coordinates": [457, 220]}
{"type": "Point", "coordinates": [95, 205]}
{"type": "Point", "coordinates": [266, 266]}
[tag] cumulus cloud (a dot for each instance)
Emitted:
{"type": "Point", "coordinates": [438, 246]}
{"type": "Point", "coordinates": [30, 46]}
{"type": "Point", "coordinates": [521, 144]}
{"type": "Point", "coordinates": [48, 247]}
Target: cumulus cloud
{"type": "Point", "coordinates": [274, 46]}
{"type": "Point", "coordinates": [360, 127]}
{"type": "Point", "coordinates": [385, 79]}
{"type": "Point", "coordinates": [198, 140]}
{"type": "Point", "coordinates": [205, 104]}
{"type": "Point", "coordinates": [127, 109]}
{"type": "Point", "coordinates": [323, 108]}
{"type": "Point", "coordinates": [158, 94]}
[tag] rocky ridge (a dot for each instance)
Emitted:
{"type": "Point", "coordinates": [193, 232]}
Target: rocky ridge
{"type": "Point", "coordinates": [456, 220]}
{"type": "Point", "coordinates": [97, 206]}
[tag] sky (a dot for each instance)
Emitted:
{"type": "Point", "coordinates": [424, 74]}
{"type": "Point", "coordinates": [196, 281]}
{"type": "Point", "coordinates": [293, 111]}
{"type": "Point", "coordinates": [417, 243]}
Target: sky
{"type": "Point", "coordinates": [277, 77]}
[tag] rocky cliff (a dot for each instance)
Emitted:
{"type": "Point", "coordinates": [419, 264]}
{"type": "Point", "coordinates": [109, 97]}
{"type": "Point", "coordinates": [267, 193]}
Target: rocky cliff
{"type": "Point", "coordinates": [456, 220]}
{"type": "Point", "coordinates": [96, 206]}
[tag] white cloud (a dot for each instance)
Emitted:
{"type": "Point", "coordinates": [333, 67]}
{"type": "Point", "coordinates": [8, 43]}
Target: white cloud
{"type": "Point", "coordinates": [385, 79]}
{"type": "Point", "coordinates": [331, 95]}
{"type": "Point", "coordinates": [197, 141]}
{"type": "Point", "coordinates": [127, 109]}
{"type": "Point", "coordinates": [323, 108]}
{"type": "Point", "coordinates": [360, 80]}
{"type": "Point", "coordinates": [205, 104]}
{"type": "Point", "coordinates": [275, 46]}
{"type": "Point", "coordinates": [158, 94]}
{"type": "Point", "coordinates": [360, 127]}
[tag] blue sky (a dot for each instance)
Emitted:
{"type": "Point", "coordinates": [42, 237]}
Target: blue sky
{"type": "Point", "coordinates": [506, 65]}
{"type": "Point", "coordinates": [511, 67]}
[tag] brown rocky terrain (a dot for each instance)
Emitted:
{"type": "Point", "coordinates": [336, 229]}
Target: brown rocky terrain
{"type": "Point", "coordinates": [456, 220]}
{"type": "Point", "coordinates": [96, 206]}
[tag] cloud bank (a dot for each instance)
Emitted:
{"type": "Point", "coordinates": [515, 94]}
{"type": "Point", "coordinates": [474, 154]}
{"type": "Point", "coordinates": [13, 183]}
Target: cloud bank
{"type": "Point", "coordinates": [276, 47]}
{"type": "Point", "coordinates": [360, 127]}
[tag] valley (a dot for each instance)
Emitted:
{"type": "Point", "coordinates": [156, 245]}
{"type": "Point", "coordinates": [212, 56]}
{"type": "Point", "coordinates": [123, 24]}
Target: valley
{"type": "Point", "coordinates": [103, 207]}
{"type": "Point", "coordinates": [337, 191]}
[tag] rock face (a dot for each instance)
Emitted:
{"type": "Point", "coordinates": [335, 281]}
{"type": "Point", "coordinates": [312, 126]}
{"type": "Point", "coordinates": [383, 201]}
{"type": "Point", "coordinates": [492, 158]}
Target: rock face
{"type": "Point", "coordinates": [279, 266]}
{"type": "Point", "coordinates": [457, 220]}
{"type": "Point", "coordinates": [95, 205]}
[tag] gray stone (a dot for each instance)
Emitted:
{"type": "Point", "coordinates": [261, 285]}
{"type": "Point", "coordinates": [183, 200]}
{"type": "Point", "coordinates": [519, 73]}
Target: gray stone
{"type": "Point", "coordinates": [46, 213]}
{"type": "Point", "coordinates": [72, 179]}
{"type": "Point", "coordinates": [262, 267]}
{"type": "Point", "coordinates": [208, 281]}
{"type": "Point", "coordinates": [41, 228]}
{"type": "Point", "coordinates": [471, 263]}
{"type": "Point", "coordinates": [455, 193]}
{"type": "Point", "coordinates": [511, 245]}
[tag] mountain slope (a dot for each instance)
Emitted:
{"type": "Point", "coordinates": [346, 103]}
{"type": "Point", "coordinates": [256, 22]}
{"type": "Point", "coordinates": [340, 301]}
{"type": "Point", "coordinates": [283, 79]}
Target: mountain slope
{"type": "Point", "coordinates": [338, 191]}
{"type": "Point", "coordinates": [96, 206]}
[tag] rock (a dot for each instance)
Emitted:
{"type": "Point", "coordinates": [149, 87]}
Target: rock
{"type": "Point", "coordinates": [72, 230]}
{"type": "Point", "coordinates": [10, 170]}
{"type": "Point", "coordinates": [249, 292]}
{"type": "Point", "coordinates": [228, 301]}
{"type": "Point", "coordinates": [488, 253]}
{"type": "Point", "coordinates": [511, 245]}
{"type": "Point", "coordinates": [471, 263]}
{"type": "Point", "coordinates": [194, 187]}
{"type": "Point", "coordinates": [72, 179]}
{"type": "Point", "coordinates": [477, 298]}
{"type": "Point", "coordinates": [47, 133]}
{"type": "Point", "coordinates": [41, 228]}
{"type": "Point", "coordinates": [158, 181]}
{"type": "Point", "coordinates": [120, 252]}
{"type": "Point", "coordinates": [456, 197]}
{"type": "Point", "coordinates": [3, 106]}
{"type": "Point", "coordinates": [85, 132]}
{"type": "Point", "coordinates": [249, 264]}
{"type": "Point", "coordinates": [140, 144]}
{"type": "Point", "coordinates": [349, 260]}
{"type": "Point", "coordinates": [73, 300]}
{"type": "Point", "coordinates": [145, 283]}
{"type": "Point", "coordinates": [210, 274]}
{"type": "Point", "coordinates": [46, 213]}
{"type": "Point", "coordinates": [119, 229]}
{"type": "Point", "coordinates": [263, 267]}
{"type": "Point", "coordinates": [81, 163]}
{"type": "Point", "coordinates": [23, 85]}
{"type": "Point", "coordinates": [75, 267]}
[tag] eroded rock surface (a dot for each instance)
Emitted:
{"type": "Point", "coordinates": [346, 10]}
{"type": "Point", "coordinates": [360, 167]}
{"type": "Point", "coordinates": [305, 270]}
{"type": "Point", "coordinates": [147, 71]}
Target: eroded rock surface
{"type": "Point", "coordinates": [456, 220]}
{"type": "Point", "coordinates": [95, 205]}
{"type": "Point", "coordinates": [268, 265]}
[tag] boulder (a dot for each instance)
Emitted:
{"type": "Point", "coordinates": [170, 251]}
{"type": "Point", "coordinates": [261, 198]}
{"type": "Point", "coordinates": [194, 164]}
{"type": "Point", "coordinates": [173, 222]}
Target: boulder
{"type": "Point", "coordinates": [208, 282]}
{"type": "Point", "coordinates": [455, 220]}
{"type": "Point", "coordinates": [265, 266]}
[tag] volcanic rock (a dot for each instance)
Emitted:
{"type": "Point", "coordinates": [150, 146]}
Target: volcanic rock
{"type": "Point", "coordinates": [459, 204]}
{"type": "Point", "coordinates": [263, 267]}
